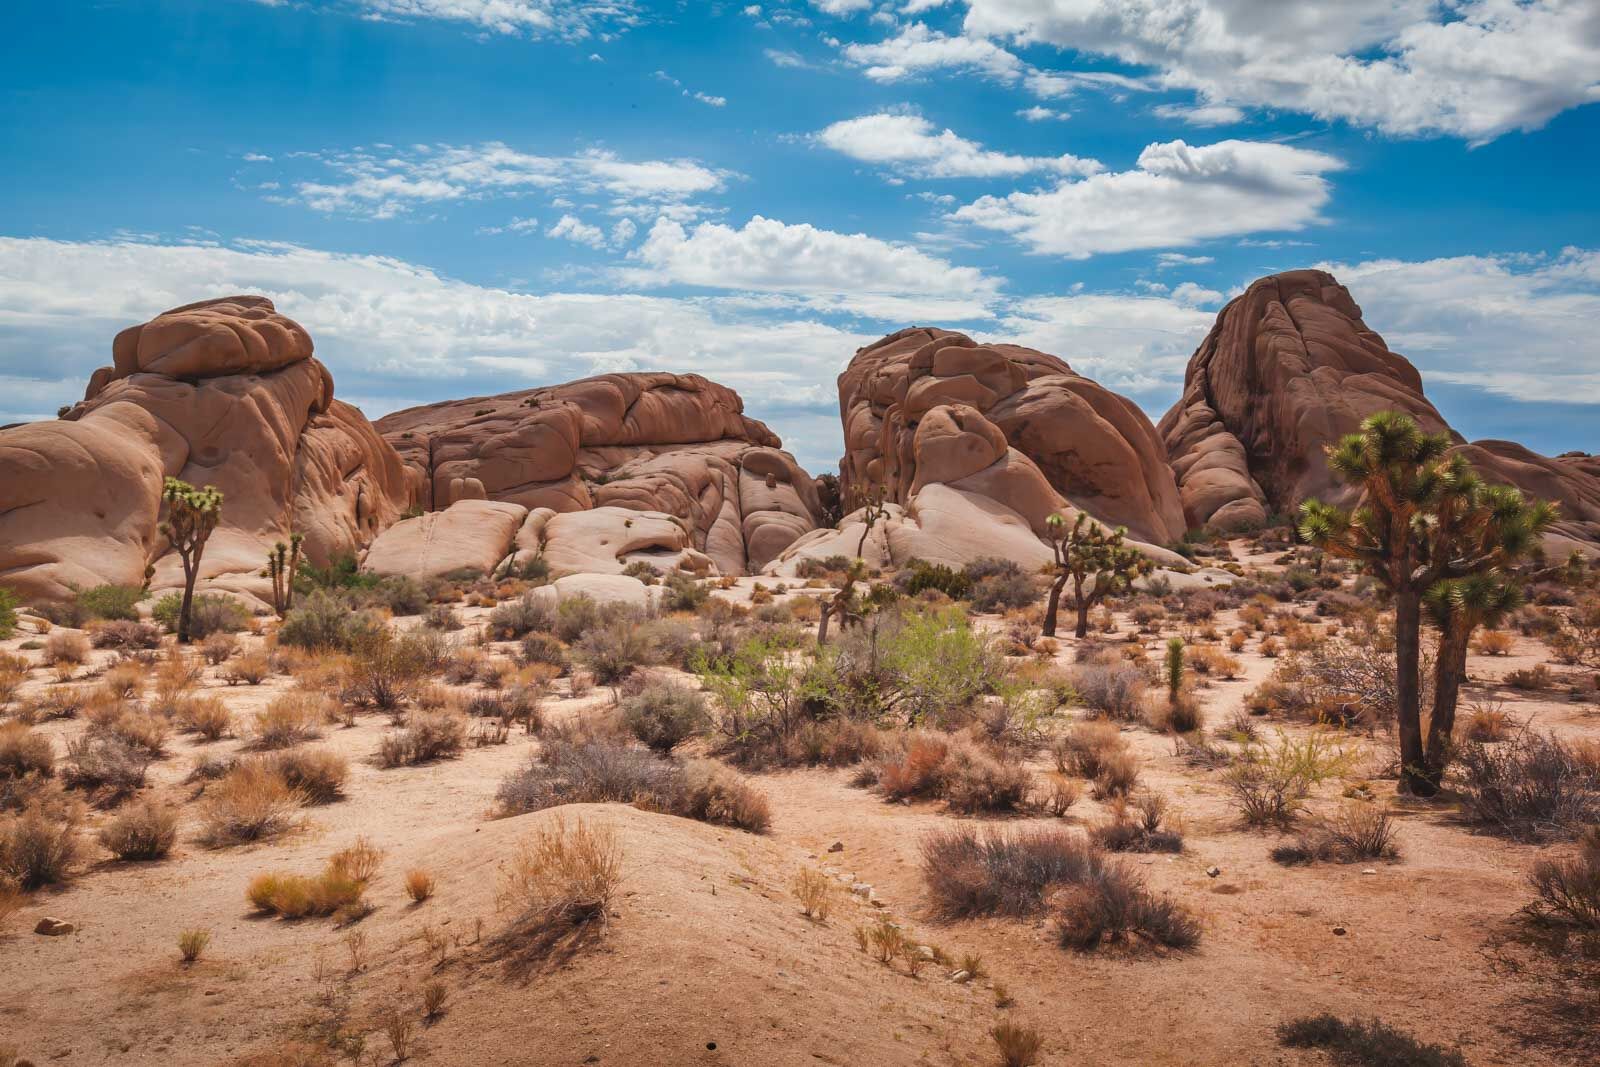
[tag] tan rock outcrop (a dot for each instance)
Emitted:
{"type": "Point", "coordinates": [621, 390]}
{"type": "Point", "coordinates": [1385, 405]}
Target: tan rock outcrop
{"type": "Point", "coordinates": [469, 535]}
{"type": "Point", "coordinates": [927, 406]}
{"type": "Point", "coordinates": [225, 393]}
{"type": "Point", "coordinates": [670, 443]}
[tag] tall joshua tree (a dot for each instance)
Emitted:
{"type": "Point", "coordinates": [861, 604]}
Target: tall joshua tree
{"type": "Point", "coordinates": [1429, 530]}
{"type": "Point", "coordinates": [1097, 564]}
{"type": "Point", "coordinates": [191, 516]}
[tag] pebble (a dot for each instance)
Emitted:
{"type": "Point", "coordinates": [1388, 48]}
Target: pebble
{"type": "Point", "coordinates": [961, 976]}
{"type": "Point", "coordinates": [1339, 931]}
{"type": "Point", "coordinates": [837, 846]}
{"type": "Point", "coordinates": [1213, 871]}
{"type": "Point", "coordinates": [52, 927]}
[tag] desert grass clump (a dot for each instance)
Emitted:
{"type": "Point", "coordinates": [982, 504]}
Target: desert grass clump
{"type": "Point", "coordinates": [558, 885]}
{"type": "Point", "coordinates": [1086, 747]}
{"type": "Point", "coordinates": [1533, 786]}
{"type": "Point", "coordinates": [1018, 1045]}
{"type": "Point", "coordinates": [143, 831]}
{"type": "Point", "coordinates": [385, 671]}
{"type": "Point", "coordinates": [12, 899]}
{"type": "Point", "coordinates": [965, 777]}
{"type": "Point", "coordinates": [1569, 890]}
{"type": "Point", "coordinates": [1368, 1043]}
{"type": "Point", "coordinates": [1358, 832]}
{"type": "Point", "coordinates": [65, 647]}
{"type": "Point", "coordinates": [191, 943]}
{"type": "Point", "coordinates": [1056, 795]}
{"type": "Point", "coordinates": [316, 773]}
{"type": "Point", "coordinates": [1487, 723]}
{"type": "Point", "coordinates": [217, 648]}
{"type": "Point", "coordinates": [615, 650]}
{"type": "Point", "coordinates": [1493, 643]}
{"type": "Point", "coordinates": [815, 891]}
{"type": "Point", "coordinates": [420, 884]}
{"type": "Point", "coordinates": [1117, 776]}
{"type": "Point", "coordinates": [251, 668]}
{"type": "Point", "coordinates": [427, 736]}
{"type": "Point", "coordinates": [107, 768]}
{"type": "Point", "coordinates": [25, 752]}
{"type": "Point", "coordinates": [337, 890]}
{"type": "Point", "coordinates": [526, 614]}
{"type": "Point", "coordinates": [40, 846]}
{"type": "Point", "coordinates": [251, 802]}
{"type": "Point", "coordinates": [290, 719]}
{"type": "Point", "coordinates": [207, 716]}
{"type": "Point", "coordinates": [663, 715]}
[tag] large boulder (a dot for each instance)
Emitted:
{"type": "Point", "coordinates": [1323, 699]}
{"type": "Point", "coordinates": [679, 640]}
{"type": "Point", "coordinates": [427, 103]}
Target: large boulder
{"type": "Point", "coordinates": [927, 406]}
{"type": "Point", "coordinates": [1287, 370]}
{"type": "Point", "coordinates": [224, 393]}
{"type": "Point", "coordinates": [469, 535]}
{"type": "Point", "coordinates": [671, 443]}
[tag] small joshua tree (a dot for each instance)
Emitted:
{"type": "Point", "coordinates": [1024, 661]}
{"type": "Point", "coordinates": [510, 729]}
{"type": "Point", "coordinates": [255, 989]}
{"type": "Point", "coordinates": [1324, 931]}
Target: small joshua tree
{"type": "Point", "coordinates": [192, 515]}
{"type": "Point", "coordinates": [873, 512]}
{"type": "Point", "coordinates": [1173, 669]}
{"type": "Point", "coordinates": [1097, 564]}
{"type": "Point", "coordinates": [283, 563]}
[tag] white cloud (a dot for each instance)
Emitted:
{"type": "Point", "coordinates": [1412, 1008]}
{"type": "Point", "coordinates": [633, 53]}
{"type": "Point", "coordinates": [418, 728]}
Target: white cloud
{"type": "Point", "coordinates": [1469, 68]}
{"type": "Point", "coordinates": [909, 144]}
{"type": "Point", "coordinates": [571, 228]}
{"type": "Point", "coordinates": [256, 157]}
{"type": "Point", "coordinates": [389, 184]}
{"type": "Point", "coordinates": [1201, 114]}
{"type": "Point", "coordinates": [1190, 294]}
{"type": "Point", "coordinates": [792, 60]}
{"type": "Point", "coordinates": [569, 19]}
{"type": "Point", "coordinates": [821, 268]}
{"type": "Point", "coordinates": [396, 334]}
{"type": "Point", "coordinates": [1177, 195]}
{"type": "Point", "coordinates": [841, 7]}
{"type": "Point", "coordinates": [1515, 325]}
{"type": "Point", "coordinates": [1042, 114]}
{"type": "Point", "coordinates": [517, 224]}
{"type": "Point", "coordinates": [1178, 259]}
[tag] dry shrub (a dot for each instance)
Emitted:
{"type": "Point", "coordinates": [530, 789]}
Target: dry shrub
{"type": "Point", "coordinates": [1057, 795]}
{"type": "Point", "coordinates": [1487, 723]}
{"type": "Point", "coordinates": [131, 726]}
{"type": "Point", "coordinates": [1019, 1045]}
{"type": "Point", "coordinates": [291, 1054]}
{"type": "Point", "coordinates": [1365, 1044]}
{"type": "Point", "coordinates": [219, 647]}
{"type": "Point", "coordinates": [664, 714]}
{"type": "Point", "coordinates": [318, 774]}
{"type": "Point", "coordinates": [1084, 749]}
{"type": "Point", "coordinates": [109, 768]}
{"type": "Point", "coordinates": [191, 943]}
{"type": "Point", "coordinates": [12, 899]}
{"type": "Point", "coordinates": [207, 716]}
{"type": "Point", "coordinates": [1569, 890]}
{"type": "Point", "coordinates": [815, 892]}
{"type": "Point", "coordinates": [1118, 774]}
{"type": "Point", "coordinates": [420, 884]}
{"type": "Point", "coordinates": [1270, 784]}
{"type": "Point", "coordinates": [125, 681]}
{"type": "Point", "coordinates": [1531, 679]}
{"type": "Point", "coordinates": [1236, 640]}
{"type": "Point", "coordinates": [290, 719]}
{"type": "Point", "coordinates": [1182, 715]}
{"type": "Point", "coordinates": [251, 802]}
{"type": "Point", "coordinates": [40, 847]}
{"type": "Point", "coordinates": [25, 752]}
{"type": "Point", "coordinates": [384, 670]}
{"type": "Point", "coordinates": [143, 831]}
{"type": "Point", "coordinates": [558, 885]}
{"type": "Point", "coordinates": [434, 995]}
{"type": "Point", "coordinates": [1212, 662]}
{"type": "Point", "coordinates": [1493, 643]}
{"type": "Point", "coordinates": [1112, 690]}
{"type": "Point", "coordinates": [971, 781]}
{"type": "Point", "coordinates": [13, 672]}
{"type": "Point", "coordinates": [252, 668]}
{"type": "Point", "coordinates": [913, 771]}
{"type": "Point", "coordinates": [1356, 833]}
{"type": "Point", "coordinates": [66, 647]}
{"type": "Point", "coordinates": [427, 736]}
{"type": "Point", "coordinates": [1534, 785]}
{"type": "Point", "coordinates": [713, 793]}
{"type": "Point", "coordinates": [1136, 826]}
{"type": "Point", "coordinates": [339, 888]}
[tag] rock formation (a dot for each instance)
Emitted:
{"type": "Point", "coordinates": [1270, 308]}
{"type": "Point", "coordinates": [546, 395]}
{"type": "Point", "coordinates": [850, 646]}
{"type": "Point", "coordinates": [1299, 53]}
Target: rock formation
{"type": "Point", "coordinates": [1289, 368]}
{"type": "Point", "coordinates": [669, 443]}
{"type": "Point", "coordinates": [224, 392]}
{"type": "Point", "coordinates": [926, 406]}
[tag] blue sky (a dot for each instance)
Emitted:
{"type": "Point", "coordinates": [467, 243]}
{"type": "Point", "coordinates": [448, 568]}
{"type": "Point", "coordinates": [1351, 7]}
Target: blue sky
{"type": "Point", "coordinates": [461, 197]}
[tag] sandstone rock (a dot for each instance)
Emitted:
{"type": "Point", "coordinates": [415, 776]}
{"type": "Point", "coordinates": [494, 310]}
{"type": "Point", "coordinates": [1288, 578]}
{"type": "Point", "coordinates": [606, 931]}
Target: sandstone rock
{"type": "Point", "coordinates": [469, 535]}
{"type": "Point", "coordinates": [927, 406]}
{"type": "Point", "coordinates": [225, 393]}
{"type": "Point", "coordinates": [52, 927]}
{"type": "Point", "coordinates": [604, 589]}
{"type": "Point", "coordinates": [669, 443]}
{"type": "Point", "coordinates": [605, 540]}
{"type": "Point", "coordinates": [1288, 369]}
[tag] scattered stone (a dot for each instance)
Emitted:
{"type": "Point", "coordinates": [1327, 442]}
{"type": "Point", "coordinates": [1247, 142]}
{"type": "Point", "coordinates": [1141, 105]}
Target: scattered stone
{"type": "Point", "coordinates": [1339, 931]}
{"type": "Point", "coordinates": [837, 846]}
{"type": "Point", "coordinates": [51, 927]}
{"type": "Point", "coordinates": [925, 951]}
{"type": "Point", "coordinates": [1370, 870]}
{"type": "Point", "coordinates": [861, 889]}
{"type": "Point", "coordinates": [961, 977]}
{"type": "Point", "coordinates": [1212, 872]}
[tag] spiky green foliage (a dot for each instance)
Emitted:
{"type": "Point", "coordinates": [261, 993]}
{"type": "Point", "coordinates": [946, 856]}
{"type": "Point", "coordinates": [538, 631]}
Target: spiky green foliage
{"type": "Point", "coordinates": [192, 515]}
{"type": "Point", "coordinates": [1096, 562]}
{"type": "Point", "coordinates": [283, 563]}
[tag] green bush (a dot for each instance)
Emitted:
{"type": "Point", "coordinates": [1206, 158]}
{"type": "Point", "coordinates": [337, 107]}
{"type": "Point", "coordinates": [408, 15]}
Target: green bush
{"type": "Point", "coordinates": [524, 615]}
{"type": "Point", "coordinates": [575, 616]}
{"type": "Point", "coordinates": [615, 650]}
{"type": "Point", "coordinates": [664, 715]}
{"type": "Point", "coordinates": [921, 575]}
{"type": "Point", "coordinates": [683, 593]}
{"type": "Point", "coordinates": [341, 573]}
{"type": "Point", "coordinates": [8, 612]}
{"type": "Point", "coordinates": [323, 621]}
{"type": "Point", "coordinates": [111, 602]}
{"type": "Point", "coordinates": [210, 613]}
{"type": "Point", "coordinates": [402, 595]}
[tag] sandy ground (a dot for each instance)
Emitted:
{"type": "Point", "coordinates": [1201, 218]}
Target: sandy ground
{"type": "Point", "coordinates": [706, 958]}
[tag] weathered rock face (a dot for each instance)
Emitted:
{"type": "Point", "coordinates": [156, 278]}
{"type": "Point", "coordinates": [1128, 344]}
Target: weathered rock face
{"type": "Point", "coordinates": [223, 393]}
{"type": "Point", "coordinates": [1288, 368]}
{"type": "Point", "coordinates": [926, 406]}
{"type": "Point", "coordinates": [676, 444]}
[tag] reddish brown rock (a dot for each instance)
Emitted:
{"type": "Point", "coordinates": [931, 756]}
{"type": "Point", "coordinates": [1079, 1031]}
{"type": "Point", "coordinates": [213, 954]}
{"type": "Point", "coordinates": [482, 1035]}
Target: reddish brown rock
{"type": "Point", "coordinates": [670, 443]}
{"type": "Point", "coordinates": [1288, 369]}
{"type": "Point", "coordinates": [222, 393]}
{"type": "Point", "coordinates": [927, 406]}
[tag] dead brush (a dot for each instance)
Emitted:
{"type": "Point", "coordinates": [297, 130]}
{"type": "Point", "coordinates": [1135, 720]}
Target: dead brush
{"type": "Point", "coordinates": [1056, 794]}
{"type": "Point", "coordinates": [815, 892]}
{"type": "Point", "coordinates": [420, 884]}
{"type": "Point", "coordinates": [207, 716]}
{"type": "Point", "coordinates": [250, 802]}
{"type": "Point", "coordinates": [1136, 825]}
{"type": "Point", "coordinates": [290, 719]}
{"type": "Point", "coordinates": [1019, 1045]}
{"type": "Point", "coordinates": [1084, 749]}
{"type": "Point", "coordinates": [144, 831]}
{"type": "Point", "coordinates": [1487, 722]}
{"type": "Point", "coordinates": [338, 889]}
{"type": "Point", "coordinates": [252, 668]}
{"type": "Point", "coordinates": [558, 886]}
{"type": "Point", "coordinates": [1569, 890]}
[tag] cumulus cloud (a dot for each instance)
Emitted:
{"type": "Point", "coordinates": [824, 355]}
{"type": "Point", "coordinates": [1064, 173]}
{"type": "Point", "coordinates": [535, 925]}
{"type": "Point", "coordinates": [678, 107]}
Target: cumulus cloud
{"type": "Point", "coordinates": [1469, 68]}
{"type": "Point", "coordinates": [396, 334]}
{"type": "Point", "coordinates": [821, 268]}
{"type": "Point", "coordinates": [912, 145]}
{"type": "Point", "coordinates": [1518, 326]}
{"type": "Point", "coordinates": [388, 184]}
{"type": "Point", "coordinates": [571, 228]}
{"type": "Point", "coordinates": [1177, 195]}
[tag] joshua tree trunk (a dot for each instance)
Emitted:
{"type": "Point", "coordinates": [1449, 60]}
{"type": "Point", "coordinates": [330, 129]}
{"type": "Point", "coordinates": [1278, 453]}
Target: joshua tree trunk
{"type": "Point", "coordinates": [1448, 671]}
{"type": "Point", "coordinates": [822, 627]}
{"type": "Point", "coordinates": [1407, 691]}
{"type": "Point", "coordinates": [1083, 618]}
{"type": "Point", "coordinates": [1053, 607]}
{"type": "Point", "coordinates": [188, 602]}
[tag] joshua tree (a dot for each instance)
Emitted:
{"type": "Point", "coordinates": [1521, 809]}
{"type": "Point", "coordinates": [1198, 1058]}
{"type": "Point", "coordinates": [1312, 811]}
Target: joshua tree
{"type": "Point", "coordinates": [1424, 523]}
{"type": "Point", "coordinates": [1097, 564]}
{"type": "Point", "coordinates": [1173, 669]}
{"type": "Point", "coordinates": [191, 516]}
{"type": "Point", "coordinates": [873, 512]}
{"type": "Point", "coordinates": [283, 563]}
